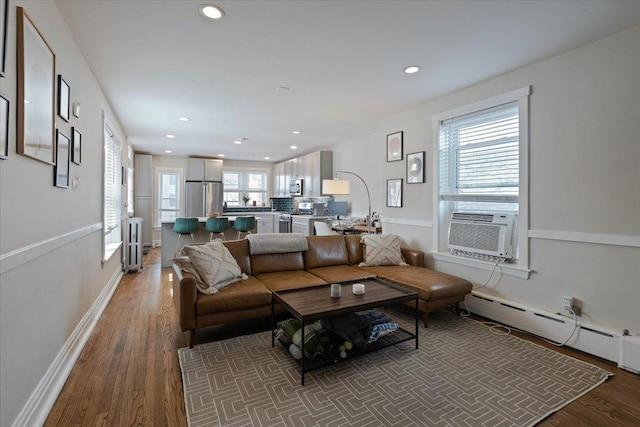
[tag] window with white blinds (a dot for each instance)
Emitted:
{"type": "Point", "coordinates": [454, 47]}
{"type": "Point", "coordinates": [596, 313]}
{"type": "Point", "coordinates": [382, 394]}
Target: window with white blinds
{"type": "Point", "coordinates": [479, 155]}
{"type": "Point", "coordinates": [111, 193]}
{"type": "Point", "coordinates": [482, 165]}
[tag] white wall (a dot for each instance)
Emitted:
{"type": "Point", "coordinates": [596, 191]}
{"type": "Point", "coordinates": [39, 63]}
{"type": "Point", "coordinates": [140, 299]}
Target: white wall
{"type": "Point", "coordinates": [50, 238]}
{"type": "Point", "coordinates": [584, 180]}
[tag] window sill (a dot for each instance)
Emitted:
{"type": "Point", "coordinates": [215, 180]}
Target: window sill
{"type": "Point", "coordinates": [511, 270]}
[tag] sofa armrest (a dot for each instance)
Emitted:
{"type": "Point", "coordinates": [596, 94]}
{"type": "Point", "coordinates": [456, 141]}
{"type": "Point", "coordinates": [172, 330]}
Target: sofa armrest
{"type": "Point", "coordinates": [185, 294]}
{"type": "Point", "coordinates": [413, 257]}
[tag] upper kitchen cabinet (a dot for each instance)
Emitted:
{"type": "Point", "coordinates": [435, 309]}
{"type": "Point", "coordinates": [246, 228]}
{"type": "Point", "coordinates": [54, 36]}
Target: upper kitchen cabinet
{"type": "Point", "coordinates": [279, 187]}
{"type": "Point", "coordinates": [312, 168]}
{"type": "Point", "coordinates": [204, 170]}
{"type": "Point", "coordinates": [143, 175]}
{"type": "Point", "coordinates": [319, 166]}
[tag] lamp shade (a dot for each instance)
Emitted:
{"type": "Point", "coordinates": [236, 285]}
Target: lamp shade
{"type": "Point", "coordinates": [335, 186]}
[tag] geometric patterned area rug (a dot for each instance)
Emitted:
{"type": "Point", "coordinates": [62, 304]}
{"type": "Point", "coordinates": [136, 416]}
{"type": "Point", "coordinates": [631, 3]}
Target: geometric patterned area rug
{"type": "Point", "coordinates": [462, 375]}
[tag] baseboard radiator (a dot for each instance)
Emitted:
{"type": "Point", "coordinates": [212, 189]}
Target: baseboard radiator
{"type": "Point", "coordinates": [595, 340]}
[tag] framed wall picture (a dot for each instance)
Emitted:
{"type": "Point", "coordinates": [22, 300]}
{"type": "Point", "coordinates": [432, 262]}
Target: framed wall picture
{"type": "Point", "coordinates": [76, 146]}
{"type": "Point", "coordinates": [64, 91]}
{"type": "Point", "coordinates": [394, 193]}
{"type": "Point", "coordinates": [35, 105]}
{"type": "Point", "coordinates": [394, 147]}
{"type": "Point", "coordinates": [4, 22]}
{"type": "Point", "coordinates": [61, 169]}
{"type": "Point", "coordinates": [415, 168]}
{"type": "Point", "coordinates": [4, 128]}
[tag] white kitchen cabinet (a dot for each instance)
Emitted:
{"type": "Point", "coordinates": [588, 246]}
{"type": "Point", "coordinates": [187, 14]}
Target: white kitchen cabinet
{"type": "Point", "coordinates": [278, 179]}
{"type": "Point", "coordinates": [265, 223]}
{"type": "Point", "coordinates": [204, 170]}
{"type": "Point", "coordinates": [143, 191]}
{"type": "Point", "coordinates": [321, 167]}
{"type": "Point", "coordinates": [304, 223]}
{"type": "Point", "coordinates": [213, 170]}
{"type": "Point", "coordinates": [143, 176]}
{"type": "Point", "coordinates": [195, 170]}
{"type": "Point", "coordinates": [312, 168]}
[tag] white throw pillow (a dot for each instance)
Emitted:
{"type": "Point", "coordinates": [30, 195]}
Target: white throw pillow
{"type": "Point", "coordinates": [215, 265]}
{"type": "Point", "coordinates": [184, 263]}
{"type": "Point", "coordinates": [381, 249]}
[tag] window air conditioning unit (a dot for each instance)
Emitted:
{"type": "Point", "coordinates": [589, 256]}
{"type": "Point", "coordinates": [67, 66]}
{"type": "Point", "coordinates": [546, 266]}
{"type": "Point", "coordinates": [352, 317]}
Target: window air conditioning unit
{"type": "Point", "coordinates": [482, 233]}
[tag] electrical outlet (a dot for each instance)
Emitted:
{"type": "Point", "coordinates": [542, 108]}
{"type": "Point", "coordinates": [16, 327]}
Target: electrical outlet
{"type": "Point", "coordinates": [567, 306]}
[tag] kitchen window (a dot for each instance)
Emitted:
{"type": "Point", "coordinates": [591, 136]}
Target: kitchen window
{"type": "Point", "coordinates": [169, 181]}
{"type": "Point", "coordinates": [243, 187]}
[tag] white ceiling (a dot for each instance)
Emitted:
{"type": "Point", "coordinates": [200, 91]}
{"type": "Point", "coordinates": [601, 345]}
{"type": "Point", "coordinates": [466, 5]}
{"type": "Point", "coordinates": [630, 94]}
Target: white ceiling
{"type": "Point", "coordinates": [342, 60]}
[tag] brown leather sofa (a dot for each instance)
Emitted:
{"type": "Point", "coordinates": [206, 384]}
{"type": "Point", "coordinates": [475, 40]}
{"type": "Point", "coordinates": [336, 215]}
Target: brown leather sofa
{"type": "Point", "coordinates": [329, 259]}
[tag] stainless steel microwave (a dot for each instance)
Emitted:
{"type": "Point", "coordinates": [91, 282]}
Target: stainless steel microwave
{"type": "Point", "coordinates": [296, 187]}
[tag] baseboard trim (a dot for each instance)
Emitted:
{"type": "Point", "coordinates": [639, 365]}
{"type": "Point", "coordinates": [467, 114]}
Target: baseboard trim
{"type": "Point", "coordinates": [23, 255]}
{"type": "Point", "coordinates": [39, 404]}
{"type": "Point", "coordinates": [592, 339]}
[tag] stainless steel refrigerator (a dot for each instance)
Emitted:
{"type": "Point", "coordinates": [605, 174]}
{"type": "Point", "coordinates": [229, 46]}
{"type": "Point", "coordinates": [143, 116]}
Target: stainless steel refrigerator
{"type": "Point", "coordinates": [201, 198]}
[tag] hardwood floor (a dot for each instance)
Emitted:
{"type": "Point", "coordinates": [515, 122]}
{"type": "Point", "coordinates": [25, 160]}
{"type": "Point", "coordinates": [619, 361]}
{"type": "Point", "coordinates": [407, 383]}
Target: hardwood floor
{"type": "Point", "coordinates": [128, 373]}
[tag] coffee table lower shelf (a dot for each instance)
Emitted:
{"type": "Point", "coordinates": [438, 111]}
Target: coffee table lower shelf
{"type": "Point", "coordinates": [398, 336]}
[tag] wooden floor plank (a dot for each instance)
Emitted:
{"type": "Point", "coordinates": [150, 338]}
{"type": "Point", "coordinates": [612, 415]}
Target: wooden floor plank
{"type": "Point", "coordinates": [129, 373]}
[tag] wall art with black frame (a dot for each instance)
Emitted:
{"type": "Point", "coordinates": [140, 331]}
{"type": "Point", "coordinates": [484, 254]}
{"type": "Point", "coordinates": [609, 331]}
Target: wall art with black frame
{"type": "Point", "coordinates": [394, 193]}
{"type": "Point", "coordinates": [61, 169]}
{"type": "Point", "coordinates": [4, 128]}
{"type": "Point", "coordinates": [415, 168]}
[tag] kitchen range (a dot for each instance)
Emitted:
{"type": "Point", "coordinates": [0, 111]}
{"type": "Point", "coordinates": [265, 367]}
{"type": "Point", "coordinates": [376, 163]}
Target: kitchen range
{"type": "Point", "coordinates": [302, 219]}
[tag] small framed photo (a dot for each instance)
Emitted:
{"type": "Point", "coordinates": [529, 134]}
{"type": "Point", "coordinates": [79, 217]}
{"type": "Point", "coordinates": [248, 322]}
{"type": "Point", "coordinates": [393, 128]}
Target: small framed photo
{"type": "Point", "coordinates": [4, 22]}
{"type": "Point", "coordinates": [394, 193]}
{"type": "Point", "coordinates": [394, 147]}
{"type": "Point", "coordinates": [4, 128]}
{"type": "Point", "coordinates": [76, 146]}
{"type": "Point", "coordinates": [64, 91]}
{"type": "Point", "coordinates": [415, 168]}
{"type": "Point", "coordinates": [61, 169]}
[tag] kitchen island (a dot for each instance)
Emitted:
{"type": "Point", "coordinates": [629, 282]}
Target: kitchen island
{"type": "Point", "coordinates": [170, 238]}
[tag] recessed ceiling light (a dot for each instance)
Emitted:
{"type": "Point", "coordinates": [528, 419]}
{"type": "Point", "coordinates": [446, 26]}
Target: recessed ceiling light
{"type": "Point", "coordinates": [294, 147]}
{"type": "Point", "coordinates": [267, 158]}
{"type": "Point", "coordinates": [237, 142]}
{"type": "Point", "coordinates": [184, 119]}
{"type": "Point", "coordinates": [212, 12]}
{"type": "Point", "coordinates": [296, 132]}
{"type": "Point", "coordinates": [168, 151]}
{"type": "Point", "coordinates": [220, 155]}
{"type": "Point", "coordinates": [411, 69]}
{"type": "Point", "coordinates": [170, 136]}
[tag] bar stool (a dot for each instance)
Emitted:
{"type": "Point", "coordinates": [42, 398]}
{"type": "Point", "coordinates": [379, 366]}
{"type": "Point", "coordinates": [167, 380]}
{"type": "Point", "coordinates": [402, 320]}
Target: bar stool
{"type": "Point", "coordinates": [185, 226]}
{"type": "Point", "coordinates": [244, 224]}
{"type": "Point", "coordinates": [217, 226]}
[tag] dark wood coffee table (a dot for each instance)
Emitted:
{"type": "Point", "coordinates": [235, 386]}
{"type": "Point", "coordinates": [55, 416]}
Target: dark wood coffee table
{"type": "Point", "coordinates": [313, 303]}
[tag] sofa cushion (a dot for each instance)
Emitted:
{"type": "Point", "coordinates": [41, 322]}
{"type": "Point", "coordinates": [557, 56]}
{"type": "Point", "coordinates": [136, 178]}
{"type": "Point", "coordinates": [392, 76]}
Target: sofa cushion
{"type": "Point", "coordinates": [341, 273]}
{"type": "Point", "coordinates": [430, 285]}
{"type": "Point", "coordinates": [325, 251]}
{"type": "Point", "coordinates": [269, 263]}
{"type": "Point", "coordinates": [215, 264]}
{"type": "Point", "coordinates": [240, 295]}
{"type": "Point", "coordinates": [281, 280]}
{"type": "Point", "coordinates": [381, 249]}
{"type": "Point", "coordinates": [240, 251]}
{"type": "Point", "coordinates": [354, 248]}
